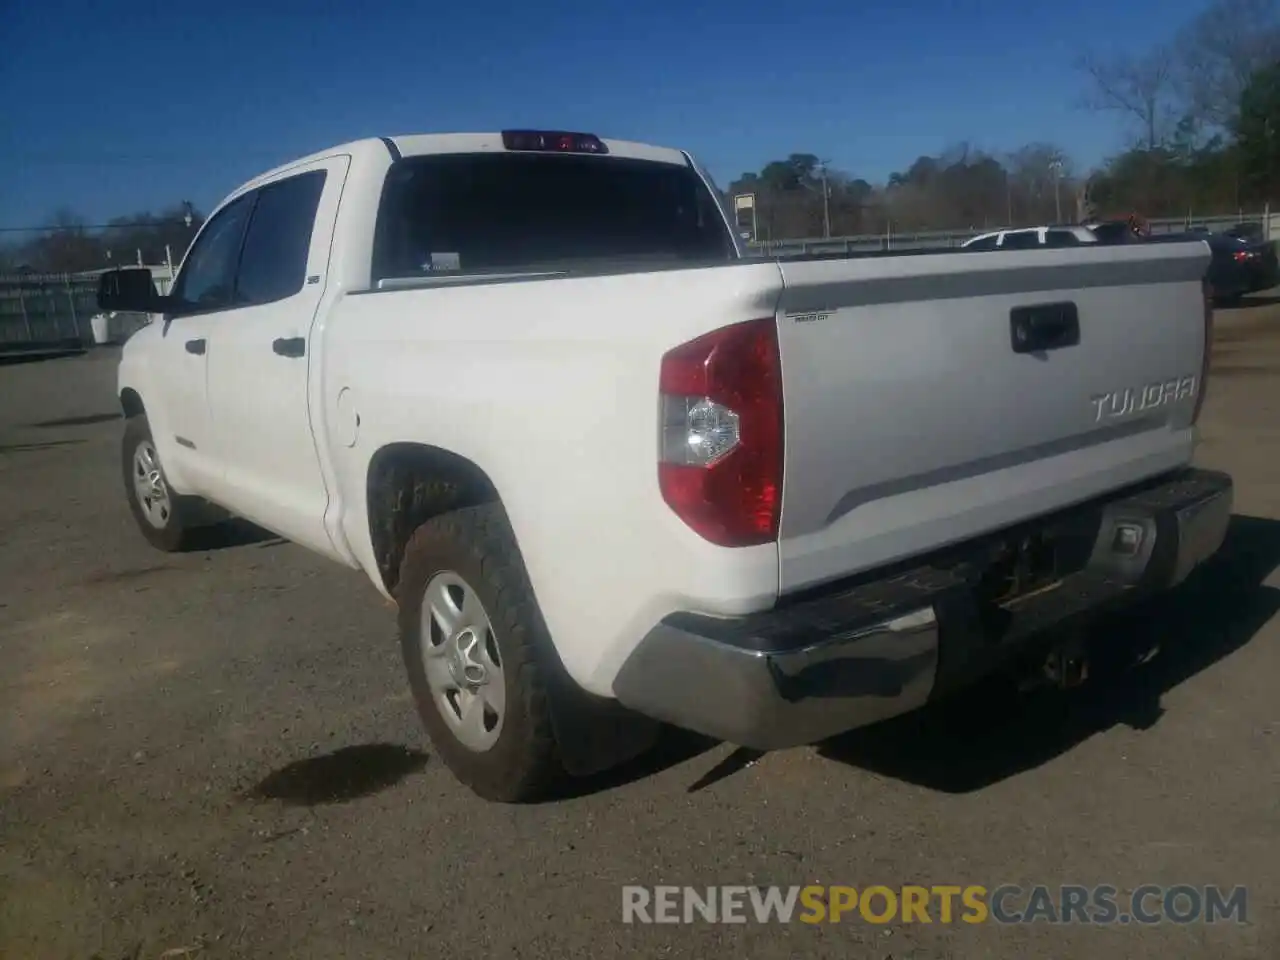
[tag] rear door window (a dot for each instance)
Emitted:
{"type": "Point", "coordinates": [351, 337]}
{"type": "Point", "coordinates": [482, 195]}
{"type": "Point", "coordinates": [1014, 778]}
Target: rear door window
{"type": "Point", "coordinates": [273, 264]}
{"type": "Point", "coordinates": [494, 212]}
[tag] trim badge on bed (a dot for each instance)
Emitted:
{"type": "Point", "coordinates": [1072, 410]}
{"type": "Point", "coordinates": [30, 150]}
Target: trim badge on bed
{"type": "Point", "coordinates": [810, 316]}
{"type": "Point", "coordinates": [1131, 400]}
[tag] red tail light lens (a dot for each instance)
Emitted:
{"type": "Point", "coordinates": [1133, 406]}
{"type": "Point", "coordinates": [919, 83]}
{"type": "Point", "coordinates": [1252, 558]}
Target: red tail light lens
{"type": "Point", "coordinates": [720, 449]}
{"type": "Point", "coordinates": [1203, 385]}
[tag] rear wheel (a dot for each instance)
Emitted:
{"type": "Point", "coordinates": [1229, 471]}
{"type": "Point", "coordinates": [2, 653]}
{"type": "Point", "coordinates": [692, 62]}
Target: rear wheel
{"type": "Point", "coordinates": [162, 515]}
{"type": "Point", "coordinates": [470, 634]}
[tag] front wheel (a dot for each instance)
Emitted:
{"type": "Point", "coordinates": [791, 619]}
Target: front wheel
{"type": "Point", "coordinates": [471, 635]}
{"type": "Point", "coordinates": [161, 514]}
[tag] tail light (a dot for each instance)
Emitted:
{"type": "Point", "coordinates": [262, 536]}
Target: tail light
{"type": "Point", "coordinates": [1203, 385]}
{"type": "Point", "coordinates": [720, 449]}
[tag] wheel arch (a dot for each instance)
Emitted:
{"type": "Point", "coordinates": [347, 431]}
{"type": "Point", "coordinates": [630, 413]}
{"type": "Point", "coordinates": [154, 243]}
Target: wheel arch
{"type": "Point", "coordinates": [131, 403]}
{"type": "Point", "coordinates": [408, 484]}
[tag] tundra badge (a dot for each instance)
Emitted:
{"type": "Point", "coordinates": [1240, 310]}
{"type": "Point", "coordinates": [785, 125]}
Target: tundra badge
{"type": "Point", "coordinates": [1131, 400]}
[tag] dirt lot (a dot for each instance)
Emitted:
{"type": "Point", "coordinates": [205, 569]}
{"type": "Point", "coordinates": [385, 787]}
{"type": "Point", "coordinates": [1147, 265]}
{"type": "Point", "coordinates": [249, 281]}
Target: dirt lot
{"type": "Point", "coordinates": [214, 755]}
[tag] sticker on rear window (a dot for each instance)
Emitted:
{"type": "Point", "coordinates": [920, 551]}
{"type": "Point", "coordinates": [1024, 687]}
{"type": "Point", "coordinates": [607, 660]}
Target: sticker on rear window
{"type": "Point", "coordinates": [441, 262]}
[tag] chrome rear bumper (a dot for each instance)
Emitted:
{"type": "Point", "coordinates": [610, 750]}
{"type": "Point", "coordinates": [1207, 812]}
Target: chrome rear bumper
{"type": "Point", "coordinates": [853, 654]}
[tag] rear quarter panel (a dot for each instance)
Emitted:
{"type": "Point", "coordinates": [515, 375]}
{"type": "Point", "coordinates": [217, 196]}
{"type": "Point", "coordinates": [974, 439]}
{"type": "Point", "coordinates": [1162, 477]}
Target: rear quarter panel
{"type": "Point", "coordinates": [550, 387]}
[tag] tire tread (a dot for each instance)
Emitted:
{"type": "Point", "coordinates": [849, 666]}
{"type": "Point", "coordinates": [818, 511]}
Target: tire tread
{"type": "Point", "coordinates": [524, 764]}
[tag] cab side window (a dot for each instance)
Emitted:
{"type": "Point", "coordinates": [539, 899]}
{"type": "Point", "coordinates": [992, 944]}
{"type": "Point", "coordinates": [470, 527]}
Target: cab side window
{"type": "Point", "coordinates": [273, 265]}
{"type": "Point", "coordinates": [985, 243]}
{"type": "Point", "coordinates": [1024, 240]}
{"type": "Point", "coordinates": [207, 279]}
{"type": "Point", "coordinates": [1061, 238]}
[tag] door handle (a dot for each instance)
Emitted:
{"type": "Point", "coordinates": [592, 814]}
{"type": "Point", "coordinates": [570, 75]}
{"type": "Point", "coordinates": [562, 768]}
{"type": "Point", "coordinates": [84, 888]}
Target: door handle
{"type": "Point", "coordinates": [196, 346]}
{"type": "Point", "coordinates": [1045, 326]}
{"type": "Point", "coordinates": [289, 346]}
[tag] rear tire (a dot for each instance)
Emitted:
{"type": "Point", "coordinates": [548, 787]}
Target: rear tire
{"type": "Point", "coordinates": [163, 516]}
{"type": "Point", "coordinates": [473, 657]}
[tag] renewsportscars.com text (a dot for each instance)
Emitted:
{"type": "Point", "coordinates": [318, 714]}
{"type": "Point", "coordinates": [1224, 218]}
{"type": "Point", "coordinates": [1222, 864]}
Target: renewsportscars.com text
{"type": "Point", "coordinates": [971, 904]}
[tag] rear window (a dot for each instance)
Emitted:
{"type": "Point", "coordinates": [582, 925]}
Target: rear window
{"type": "Point", "coordinates": [1113, 232]}
{"type": "Point", "coordinates": [1061, 238]}
{"type": "Point", "coordinates": [497, 212]}
{"type": "Point", "coordinates": [1029, 240]}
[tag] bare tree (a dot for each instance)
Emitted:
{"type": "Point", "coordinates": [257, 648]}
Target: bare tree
{"type": "Point", "coordinates": [1141, 88]}
{"type": "Point", "coordinates": [1040, 177]}
{"type": "Point", "coordinates": [1219, 50]}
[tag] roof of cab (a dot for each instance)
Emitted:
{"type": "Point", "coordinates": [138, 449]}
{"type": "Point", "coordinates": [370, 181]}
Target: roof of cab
{"type": "Point", "coordinates": [424, 144]}
{"type": "Point", "coordinates": [415, 145]}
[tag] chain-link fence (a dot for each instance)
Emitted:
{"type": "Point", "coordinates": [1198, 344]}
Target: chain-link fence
{"type": "Point", "coordinates": [54, 312]}
{"type": "Point", "coordinates": [46, 311]}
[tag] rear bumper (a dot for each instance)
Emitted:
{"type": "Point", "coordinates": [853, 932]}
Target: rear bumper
{"type": "Point", "coordinates": [1236, 281]}
{"type": "Point", "coordinates": [855, 653]}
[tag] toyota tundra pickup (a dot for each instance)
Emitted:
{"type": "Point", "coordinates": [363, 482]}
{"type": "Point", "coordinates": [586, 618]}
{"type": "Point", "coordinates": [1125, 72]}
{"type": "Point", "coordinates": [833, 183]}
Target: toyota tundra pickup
{"type": "Point", "coordinates": [616, 472]}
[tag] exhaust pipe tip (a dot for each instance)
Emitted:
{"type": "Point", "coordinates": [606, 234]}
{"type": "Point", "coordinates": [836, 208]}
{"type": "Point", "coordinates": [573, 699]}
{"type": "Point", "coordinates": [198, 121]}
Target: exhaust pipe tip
{"type": "Point", "coordinates": [1067, 665]}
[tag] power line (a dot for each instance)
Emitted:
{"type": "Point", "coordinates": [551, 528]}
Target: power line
{"type": "Point", "coordinates": [187, 217]}
{"type": "Point", "coordinates": [76, 227]}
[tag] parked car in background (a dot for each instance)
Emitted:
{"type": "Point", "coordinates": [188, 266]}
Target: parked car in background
{"type": "Point", "coordinates": [1237, 267]}
{"type": "Point", "coordinates": [1247, 231]}
{"type": "Point", "coordinates": [1240, 267]}
{"type": "Point", "coordinates": [1130, 229]}
{"type": "Point", "coordinates": [1029, 238]}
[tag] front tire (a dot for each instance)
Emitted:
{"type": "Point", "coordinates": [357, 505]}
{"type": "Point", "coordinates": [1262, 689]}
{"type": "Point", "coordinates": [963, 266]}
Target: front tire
{"type": "Point", "coordinates": [471, 635]}
{"type": "Point", "coordinates": [162, 516]}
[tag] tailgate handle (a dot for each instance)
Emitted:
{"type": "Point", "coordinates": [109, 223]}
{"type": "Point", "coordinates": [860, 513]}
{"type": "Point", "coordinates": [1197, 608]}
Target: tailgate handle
{"type": "Point", "coordinates": [289, 346]}
{"type": "Point", "coordinates": [1044, 326]}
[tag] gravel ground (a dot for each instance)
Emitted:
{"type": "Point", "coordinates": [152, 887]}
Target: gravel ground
{"type": "Point", "coordinates": [215, 755]}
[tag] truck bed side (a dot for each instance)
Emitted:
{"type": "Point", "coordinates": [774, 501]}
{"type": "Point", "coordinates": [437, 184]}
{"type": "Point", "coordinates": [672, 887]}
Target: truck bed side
{"type": "Point", "coordinates": [551, 387]}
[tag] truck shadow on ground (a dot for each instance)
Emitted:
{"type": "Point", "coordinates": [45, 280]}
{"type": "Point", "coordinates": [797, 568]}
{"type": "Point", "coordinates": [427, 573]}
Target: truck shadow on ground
{"type": "Point", "coordinates": [82, 421]}
{"type": "Point", "coordinates": [1250, 302]}
{"type": "Point", "coordinates": [991, 732]}
{"type": "Point", "coordinates": [339, 776]}
{"type": "Point", "coordinates": [33, 447]}
{"type": "Point", "coordinates": [229, 533]}
{"type": "Point", "coordinates": [988, 734]}
{"type": "Point", "coordinates": [36, 356]}
{"type": "Point", "coordinates": [673, 747]}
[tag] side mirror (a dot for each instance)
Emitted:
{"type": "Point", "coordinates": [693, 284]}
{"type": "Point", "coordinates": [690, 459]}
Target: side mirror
{"type": "Point", "coordinates": [129, 290]}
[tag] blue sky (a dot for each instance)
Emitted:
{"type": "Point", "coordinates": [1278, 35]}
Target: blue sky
{"type": "Point", "coordinates": [110, 107]}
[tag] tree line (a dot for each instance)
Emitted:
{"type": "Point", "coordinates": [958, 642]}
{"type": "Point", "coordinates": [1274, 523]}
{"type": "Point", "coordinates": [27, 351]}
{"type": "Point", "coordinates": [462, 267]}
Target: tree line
{"type": "Point", "coordinates": [71, 245]}
{"type": "Point", "coordinates": [1202, 113]}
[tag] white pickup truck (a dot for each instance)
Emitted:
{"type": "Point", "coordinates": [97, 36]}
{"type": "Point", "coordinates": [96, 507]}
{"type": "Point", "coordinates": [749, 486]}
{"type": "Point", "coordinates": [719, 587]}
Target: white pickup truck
{"type": "Point", "coordinates": [616, 472]}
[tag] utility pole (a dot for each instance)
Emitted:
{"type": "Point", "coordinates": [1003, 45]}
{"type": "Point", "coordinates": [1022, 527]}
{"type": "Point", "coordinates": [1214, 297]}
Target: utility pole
{"type": "Point", "coordinates": [826, 202]}
{"type": "Point", "coordinates": [1055, 167]}
{"type": "Point", "coordinates": [1266, 208]}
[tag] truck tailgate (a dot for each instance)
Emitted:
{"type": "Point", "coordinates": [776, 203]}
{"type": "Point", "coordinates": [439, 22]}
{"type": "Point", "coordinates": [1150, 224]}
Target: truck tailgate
{"type": "Point", "coordinates": [913, 422]}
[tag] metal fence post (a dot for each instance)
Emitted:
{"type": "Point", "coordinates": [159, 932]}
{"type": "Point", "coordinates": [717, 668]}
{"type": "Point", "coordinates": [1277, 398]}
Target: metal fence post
{"type": "Point", "coordinates": [75, 318]}
{"type": "Point", "coordinates": [26, 320]}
